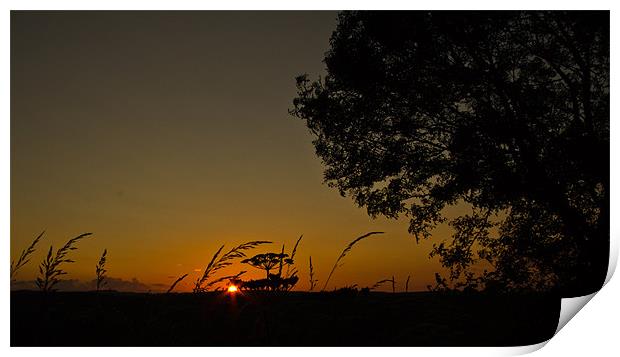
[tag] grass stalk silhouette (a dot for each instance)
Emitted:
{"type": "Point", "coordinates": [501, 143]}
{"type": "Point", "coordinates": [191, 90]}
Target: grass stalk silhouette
{"type": "Point", "coordinates": [175, 283]}
{"type": "Point", "coordinates": [24, 257]}
{"type": "Point", "coordinates": [312, 280]}
{"type": "Point", "coordinates": [407, 283]}
{"type": "Point", "coordinates": [227, 277]}
{"type": "Point", "coordinates": [100, 271]}
{"type": "Point", "coordinates": [222, 261]}
{"type": "Point", "coordinates": [381, 282]}
{"type": "Point", "coordinates": [50, 267]}
{"type": "Point", "coordinates": [288, 273]}
{"type": "Point", "coordinates": [281, 263]}
{"type": "Point", "coordinates": [346, 250]}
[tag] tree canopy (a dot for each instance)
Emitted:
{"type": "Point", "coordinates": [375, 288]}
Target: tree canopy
{"type": "Point", "coordinates": [505, 112]}
{"type": "Point", "coordinates": [268, 261]}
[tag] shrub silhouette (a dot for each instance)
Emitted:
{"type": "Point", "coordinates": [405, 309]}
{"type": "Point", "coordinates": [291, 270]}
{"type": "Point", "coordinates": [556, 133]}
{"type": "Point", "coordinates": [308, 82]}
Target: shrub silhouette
{"type": "Point", "coordinates": [273, 283]}
{"type": "Point", "coordinates": [441, 284]}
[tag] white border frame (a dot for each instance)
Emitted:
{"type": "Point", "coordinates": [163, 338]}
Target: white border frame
{"type": "Point", "coordinates": [594, 329]}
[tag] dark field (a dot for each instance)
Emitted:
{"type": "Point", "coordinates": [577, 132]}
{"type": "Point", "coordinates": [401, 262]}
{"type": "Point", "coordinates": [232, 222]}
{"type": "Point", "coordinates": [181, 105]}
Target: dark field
{"type": "Point", "coordinates": [269, 319]}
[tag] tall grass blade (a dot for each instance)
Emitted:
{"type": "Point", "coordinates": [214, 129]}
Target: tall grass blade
{"type": "Point", "coordinates": [24, 257]}
{"type": "Point", "coordinates": [100, 270]}
{"type": "Point", "coordinates": [282, 256]}
{"type": "Point", "coordinates": [50, 267]}
{"type": "Point", "coordinates": [175, 283]}
{"type": "Point", "coordinates": [219, 262]}
{"type": "Point", "coordinates": [227, 277]}
{"type": "Point", "coordinates": [379, 283]}
{"type": "Point", "coordinates": [344, 253]}
{"type": "Point", "coordinates": [293, 255]}
{"type": "Point", "coordinates": [312, 280]}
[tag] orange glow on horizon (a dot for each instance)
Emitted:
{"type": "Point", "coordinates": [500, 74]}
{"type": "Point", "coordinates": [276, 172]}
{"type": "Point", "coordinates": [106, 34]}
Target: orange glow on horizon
{"type": "Point", "coordinates": [232, 289]}
{"type": "Point", "coordinates": [217, 175]}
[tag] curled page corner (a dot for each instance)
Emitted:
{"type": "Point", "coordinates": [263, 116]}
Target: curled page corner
{"type": "Point", "coordinates": [523, 350]}
{"type": "Point", "coordinates": [570, 307]}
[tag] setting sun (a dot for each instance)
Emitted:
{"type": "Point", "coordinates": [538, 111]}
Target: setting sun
{"type": "Point", "coordinates": [457, 162]}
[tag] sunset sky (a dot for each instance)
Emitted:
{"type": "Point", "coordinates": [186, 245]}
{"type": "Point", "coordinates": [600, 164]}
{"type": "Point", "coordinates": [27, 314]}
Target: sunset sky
{"type": "Point", "coordinates": [166, 134]}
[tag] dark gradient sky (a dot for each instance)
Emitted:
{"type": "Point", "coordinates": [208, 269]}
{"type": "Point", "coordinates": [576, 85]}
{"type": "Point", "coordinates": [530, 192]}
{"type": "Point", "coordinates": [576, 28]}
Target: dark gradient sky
{"type": "Point", "coordinates": [167, 134]}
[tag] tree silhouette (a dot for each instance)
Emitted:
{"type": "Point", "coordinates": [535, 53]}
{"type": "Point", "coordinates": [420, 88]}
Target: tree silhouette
{"type": "Point", "coordinates": [268, 261]}
{"type": "Point", "coordinates": [506, 113]}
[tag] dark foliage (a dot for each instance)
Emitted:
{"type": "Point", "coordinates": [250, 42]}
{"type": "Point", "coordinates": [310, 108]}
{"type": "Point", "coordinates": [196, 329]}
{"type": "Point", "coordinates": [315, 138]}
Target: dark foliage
{"type": "Point", "coordinates": [273, 283]}
{"type": "Point", "coordinates": [504, 112]}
